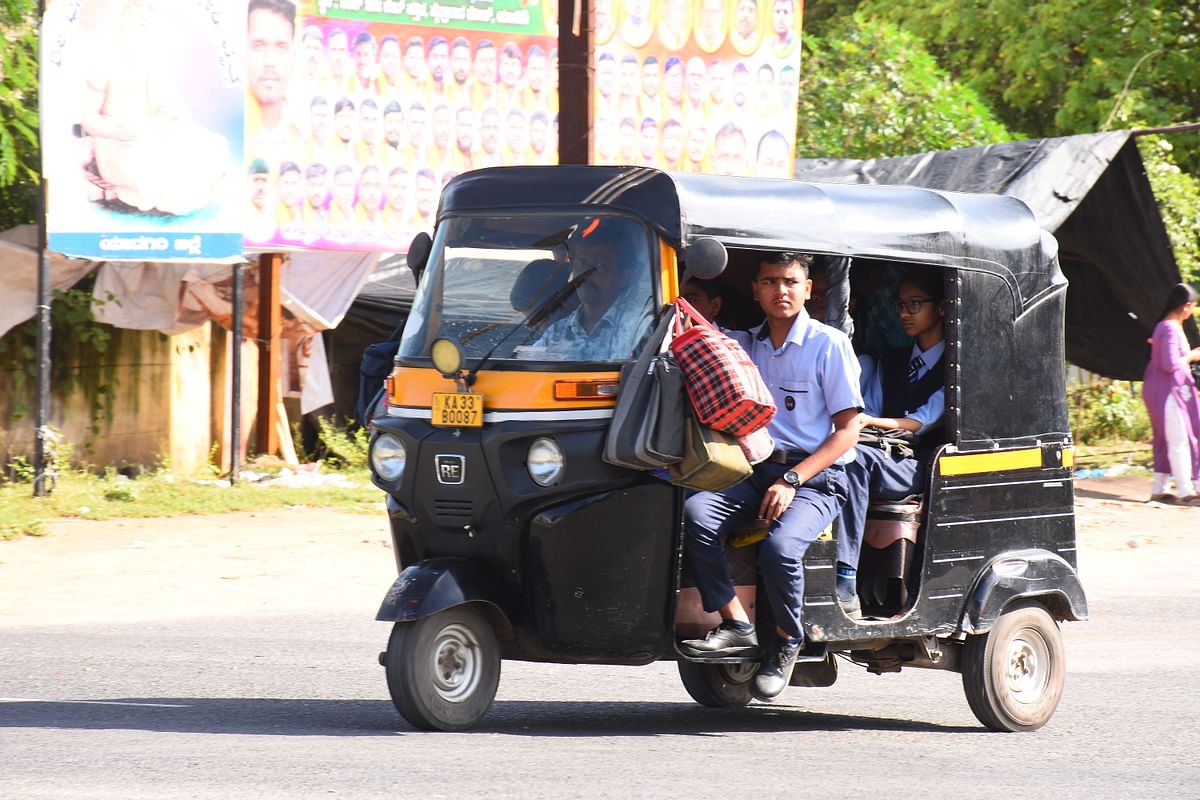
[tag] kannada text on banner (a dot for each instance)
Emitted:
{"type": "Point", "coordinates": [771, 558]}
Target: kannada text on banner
{"type": "Point", "coordinates": [697, 85]}
{"type": "Point", "coordinates": [359, 112]}
{"type": "Point", "coordinates": [142, 128]}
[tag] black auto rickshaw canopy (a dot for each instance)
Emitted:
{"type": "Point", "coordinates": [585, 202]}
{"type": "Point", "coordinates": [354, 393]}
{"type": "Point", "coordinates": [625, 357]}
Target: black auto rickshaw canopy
{"type": "Point", "coordinates": [1006, 382]}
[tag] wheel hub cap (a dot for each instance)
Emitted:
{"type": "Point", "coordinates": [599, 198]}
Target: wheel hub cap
{"type": "Point", "coordinates": [456, 663]}
{"type": "Point", "coordinates": [1028, 666]}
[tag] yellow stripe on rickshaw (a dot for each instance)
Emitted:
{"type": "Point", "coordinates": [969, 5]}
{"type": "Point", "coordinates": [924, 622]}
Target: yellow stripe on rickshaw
{"type": "Point", "coordinates": [974, 463]}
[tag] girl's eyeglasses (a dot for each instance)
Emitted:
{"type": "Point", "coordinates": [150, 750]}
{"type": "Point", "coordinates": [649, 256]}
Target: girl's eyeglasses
{"type": "Point", "coordinates": [912, 306]}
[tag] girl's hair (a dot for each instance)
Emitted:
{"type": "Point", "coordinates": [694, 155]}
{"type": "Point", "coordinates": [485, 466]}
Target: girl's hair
{"type": "Point", "coordinates": [928, 281]}
{"type": "Point", "coordinates": [1180, 294]}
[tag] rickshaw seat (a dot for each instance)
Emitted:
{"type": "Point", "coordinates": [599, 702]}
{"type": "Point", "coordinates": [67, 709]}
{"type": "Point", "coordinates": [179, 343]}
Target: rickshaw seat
{"type": "Point", "coordinates": [889, 521]}
{"type": "Point", "coordinates": [538, 281]}
{"type": "Point", "coordinates": [886, 560]}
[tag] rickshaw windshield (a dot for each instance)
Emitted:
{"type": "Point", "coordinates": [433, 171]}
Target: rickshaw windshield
{"type": "Point", "coordinates": [536, 288]}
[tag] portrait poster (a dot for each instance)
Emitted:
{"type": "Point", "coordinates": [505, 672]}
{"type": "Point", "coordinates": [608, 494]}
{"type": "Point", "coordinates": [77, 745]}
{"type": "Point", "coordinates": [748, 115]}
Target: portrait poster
{"type": "Point", "coordinates": [697, 85]}
{"type": "Point", "coordinates": [142, 121]}
{"type": "Point", "coordinates": [359, 111]}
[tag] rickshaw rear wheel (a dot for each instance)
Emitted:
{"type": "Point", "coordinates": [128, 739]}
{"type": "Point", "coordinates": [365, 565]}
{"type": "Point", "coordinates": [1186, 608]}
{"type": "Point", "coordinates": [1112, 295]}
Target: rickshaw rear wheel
{"type": "Point", "coordinates": [443, 670]}
{"type": "Point", "coordinates": [718, 685]}
{"type": "Point", "coordinates": [1013, 675]}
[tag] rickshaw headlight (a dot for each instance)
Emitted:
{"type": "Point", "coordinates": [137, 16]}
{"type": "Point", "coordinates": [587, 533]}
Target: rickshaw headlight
{"type": "Point", "coordinates": [544, 462]}
{"type": "Point", "coordinates": [388, 457]}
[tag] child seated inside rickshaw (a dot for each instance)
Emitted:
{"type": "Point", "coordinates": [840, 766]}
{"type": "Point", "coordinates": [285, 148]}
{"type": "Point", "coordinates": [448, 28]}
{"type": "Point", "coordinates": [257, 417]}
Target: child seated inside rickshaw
{"type": "Point", "coordinates": [706, 296]}
{"type": "Point", "coordinates": [904, 391]}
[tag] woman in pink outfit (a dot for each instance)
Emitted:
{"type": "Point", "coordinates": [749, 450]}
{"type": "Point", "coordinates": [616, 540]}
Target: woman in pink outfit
{"type": "Point", "coordinates": [1169, 393]}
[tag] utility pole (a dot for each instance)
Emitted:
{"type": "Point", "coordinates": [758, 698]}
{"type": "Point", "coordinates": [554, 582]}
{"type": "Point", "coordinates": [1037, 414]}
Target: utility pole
{"type": "Point", "coordinates": [574, 81]}
{"type": "Point", "coordinates": [41, 411]}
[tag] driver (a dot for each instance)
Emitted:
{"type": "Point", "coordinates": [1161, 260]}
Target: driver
{"type": "Point", "coordinates": [612, 316]}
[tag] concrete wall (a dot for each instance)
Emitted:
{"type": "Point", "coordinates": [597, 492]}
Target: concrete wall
{"type": "Point", "coordinates": [162, 409]}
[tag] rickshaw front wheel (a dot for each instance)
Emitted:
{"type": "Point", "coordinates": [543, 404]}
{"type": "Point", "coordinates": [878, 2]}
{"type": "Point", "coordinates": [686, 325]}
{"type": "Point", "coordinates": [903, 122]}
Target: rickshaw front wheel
{"type": "Point", "coordinates": [1013, 675]}
{"type": "Point", "coordinates": [443, 670]}
{"type": "Point", "coordinates": [718, 685]}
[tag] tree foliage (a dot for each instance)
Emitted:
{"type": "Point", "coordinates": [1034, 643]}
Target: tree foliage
{"type": "Point", "coordinates": [869, 89]}
{"type": "Point", "coordinates": [1051, 68]}
{"type": "Point", "coordinates": [1068, 66]}
{"type": "Point", "coordinates": [19, 145]}
{"type": "Point", "coordinates": [14, 11]}
{"type": "Point", "coordinates": [1178, 195]}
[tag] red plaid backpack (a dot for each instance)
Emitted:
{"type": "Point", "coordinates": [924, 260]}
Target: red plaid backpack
{"type": "Point", "coordinates": [724, 386]}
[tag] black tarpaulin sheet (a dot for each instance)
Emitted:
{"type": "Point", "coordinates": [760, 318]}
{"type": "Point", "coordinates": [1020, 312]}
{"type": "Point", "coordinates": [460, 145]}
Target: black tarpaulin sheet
{"type": "Point", "coordinates": [1092, 193]}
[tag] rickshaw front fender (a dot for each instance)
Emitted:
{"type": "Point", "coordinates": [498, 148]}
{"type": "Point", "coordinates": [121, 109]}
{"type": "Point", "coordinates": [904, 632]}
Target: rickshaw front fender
{"type": "Point", "coordinates": [1024, 574]}
{"type": "Point", "coordinates": [437, 584]}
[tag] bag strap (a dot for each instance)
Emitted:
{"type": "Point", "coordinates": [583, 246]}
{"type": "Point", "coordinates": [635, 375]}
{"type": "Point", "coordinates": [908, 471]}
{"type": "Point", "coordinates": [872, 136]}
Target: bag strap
{"type": "Point", "coordinates": [684, 313]}
{"type": "Point", "coordinates": [670, 333]}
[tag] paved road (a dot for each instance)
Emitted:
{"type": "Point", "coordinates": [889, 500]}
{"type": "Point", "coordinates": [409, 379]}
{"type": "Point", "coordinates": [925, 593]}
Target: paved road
{"type": "Point", "coordinates": [132, 690]}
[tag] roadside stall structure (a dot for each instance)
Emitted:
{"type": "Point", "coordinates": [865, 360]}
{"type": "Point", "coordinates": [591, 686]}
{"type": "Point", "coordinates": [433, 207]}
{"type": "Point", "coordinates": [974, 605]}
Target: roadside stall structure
{"type": "Point", "coordinates": [1092, 193]}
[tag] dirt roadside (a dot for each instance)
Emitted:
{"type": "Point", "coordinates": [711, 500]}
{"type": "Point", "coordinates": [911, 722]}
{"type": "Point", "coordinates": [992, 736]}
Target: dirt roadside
{"type": "Point", "coordinates": [307, 559]}
{"type": "Point", "coordinates": [270, 562]}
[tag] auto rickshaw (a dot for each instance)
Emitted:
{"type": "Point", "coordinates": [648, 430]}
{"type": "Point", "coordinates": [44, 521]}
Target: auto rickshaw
{"type": "Point", "coordinates": [515, 540]}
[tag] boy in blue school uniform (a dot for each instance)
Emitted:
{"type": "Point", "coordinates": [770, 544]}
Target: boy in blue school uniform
{"type": "Point", "coordinates": [814, 378]}
{"type": "Point", "coordinates": [906, 392]}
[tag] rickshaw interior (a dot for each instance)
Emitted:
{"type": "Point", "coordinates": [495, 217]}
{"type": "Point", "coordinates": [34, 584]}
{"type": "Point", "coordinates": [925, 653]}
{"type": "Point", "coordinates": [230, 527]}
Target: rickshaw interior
{"type": "Point", "coordinates": [530, 260]}
{"type": "Point", "coordinates": [889, 570]}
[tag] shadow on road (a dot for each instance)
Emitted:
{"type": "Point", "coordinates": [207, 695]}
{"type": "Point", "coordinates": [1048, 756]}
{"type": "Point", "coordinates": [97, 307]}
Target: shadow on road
{"type": "Point", "coordinates": [1132, 489]}
{"type": "Point", "coordinates": [1097, 493]}
{"type": "Point", "coordinates": [272, 717]}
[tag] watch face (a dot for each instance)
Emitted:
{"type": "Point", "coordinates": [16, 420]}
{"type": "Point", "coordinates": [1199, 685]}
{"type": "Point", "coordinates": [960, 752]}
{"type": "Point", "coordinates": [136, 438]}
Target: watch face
{"type": "Point", "coordinates": [791, 478]}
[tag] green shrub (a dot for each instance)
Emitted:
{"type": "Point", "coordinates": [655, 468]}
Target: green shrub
{"type": "Point", "coordinates": [344, 449]}
{"type": "Point", "coordinates": [1104, 410]}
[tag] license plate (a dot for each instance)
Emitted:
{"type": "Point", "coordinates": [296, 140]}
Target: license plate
{"type": "Point", "coordinates": [458, 410]}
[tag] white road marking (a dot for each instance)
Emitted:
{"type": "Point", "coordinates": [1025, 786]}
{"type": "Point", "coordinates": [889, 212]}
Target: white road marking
{"type": "Point", "coordinates": [90, 702]}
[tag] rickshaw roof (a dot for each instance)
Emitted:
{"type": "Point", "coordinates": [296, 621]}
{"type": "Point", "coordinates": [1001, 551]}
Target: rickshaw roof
{"type": "Point", "coordinates": [983, 233]}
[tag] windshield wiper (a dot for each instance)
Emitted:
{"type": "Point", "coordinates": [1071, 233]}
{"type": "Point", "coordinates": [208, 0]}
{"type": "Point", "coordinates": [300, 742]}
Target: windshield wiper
{"type": "Point", "coordinates": [534, 318]}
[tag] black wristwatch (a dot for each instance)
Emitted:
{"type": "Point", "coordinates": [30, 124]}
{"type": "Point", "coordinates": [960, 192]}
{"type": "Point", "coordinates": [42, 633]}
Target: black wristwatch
{"type": "Point", "coordinates": [792, 479]}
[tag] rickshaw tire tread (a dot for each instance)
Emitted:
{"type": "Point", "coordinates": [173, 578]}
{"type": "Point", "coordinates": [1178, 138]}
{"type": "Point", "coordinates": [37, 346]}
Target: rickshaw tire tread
{"type": "Point", "coordinates": [977, 660]}
{"type": "Point", "coordinates": [417, 702]}
{"type": "Point", "coordinates": [709, 686]}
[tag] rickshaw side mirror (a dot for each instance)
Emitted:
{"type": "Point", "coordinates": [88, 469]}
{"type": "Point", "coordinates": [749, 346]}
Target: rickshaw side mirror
{"type": "Point", "coordinates": [418, 254]}
{"type": "Point", "coordinates": [706, 258]}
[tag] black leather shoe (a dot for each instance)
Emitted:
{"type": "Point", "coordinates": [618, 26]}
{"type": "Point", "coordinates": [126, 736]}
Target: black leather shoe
{"type": "Point", "coordinates": [722, 641]}
{"type": "Point", "coordinates": [775, 670]}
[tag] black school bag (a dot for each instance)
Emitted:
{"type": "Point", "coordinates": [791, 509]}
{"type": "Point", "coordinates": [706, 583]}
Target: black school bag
{"type": "Point", "coordinates": [376, 365]}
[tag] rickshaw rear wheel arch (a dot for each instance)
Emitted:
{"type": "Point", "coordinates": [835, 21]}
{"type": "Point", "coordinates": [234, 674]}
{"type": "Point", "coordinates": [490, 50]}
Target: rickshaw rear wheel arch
{"type": "Point", "coordinates": [1050, 581]}
{"type": "Point", "coordinates": [1055, 603]}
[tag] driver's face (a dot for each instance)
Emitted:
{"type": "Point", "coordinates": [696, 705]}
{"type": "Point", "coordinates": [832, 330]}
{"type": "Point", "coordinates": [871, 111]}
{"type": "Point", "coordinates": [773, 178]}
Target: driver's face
{"type": "Point", "coordinates": [603, 279]}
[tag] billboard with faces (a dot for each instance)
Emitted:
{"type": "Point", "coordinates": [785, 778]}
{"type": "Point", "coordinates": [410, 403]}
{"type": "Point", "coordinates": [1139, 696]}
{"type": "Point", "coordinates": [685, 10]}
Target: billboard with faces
{"type": "Point", "coordinates": [358, 112]}
{"type": "Point", "coordinates": [697, 85]}
{"type": "Point", "coordinates": [203, 129]}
